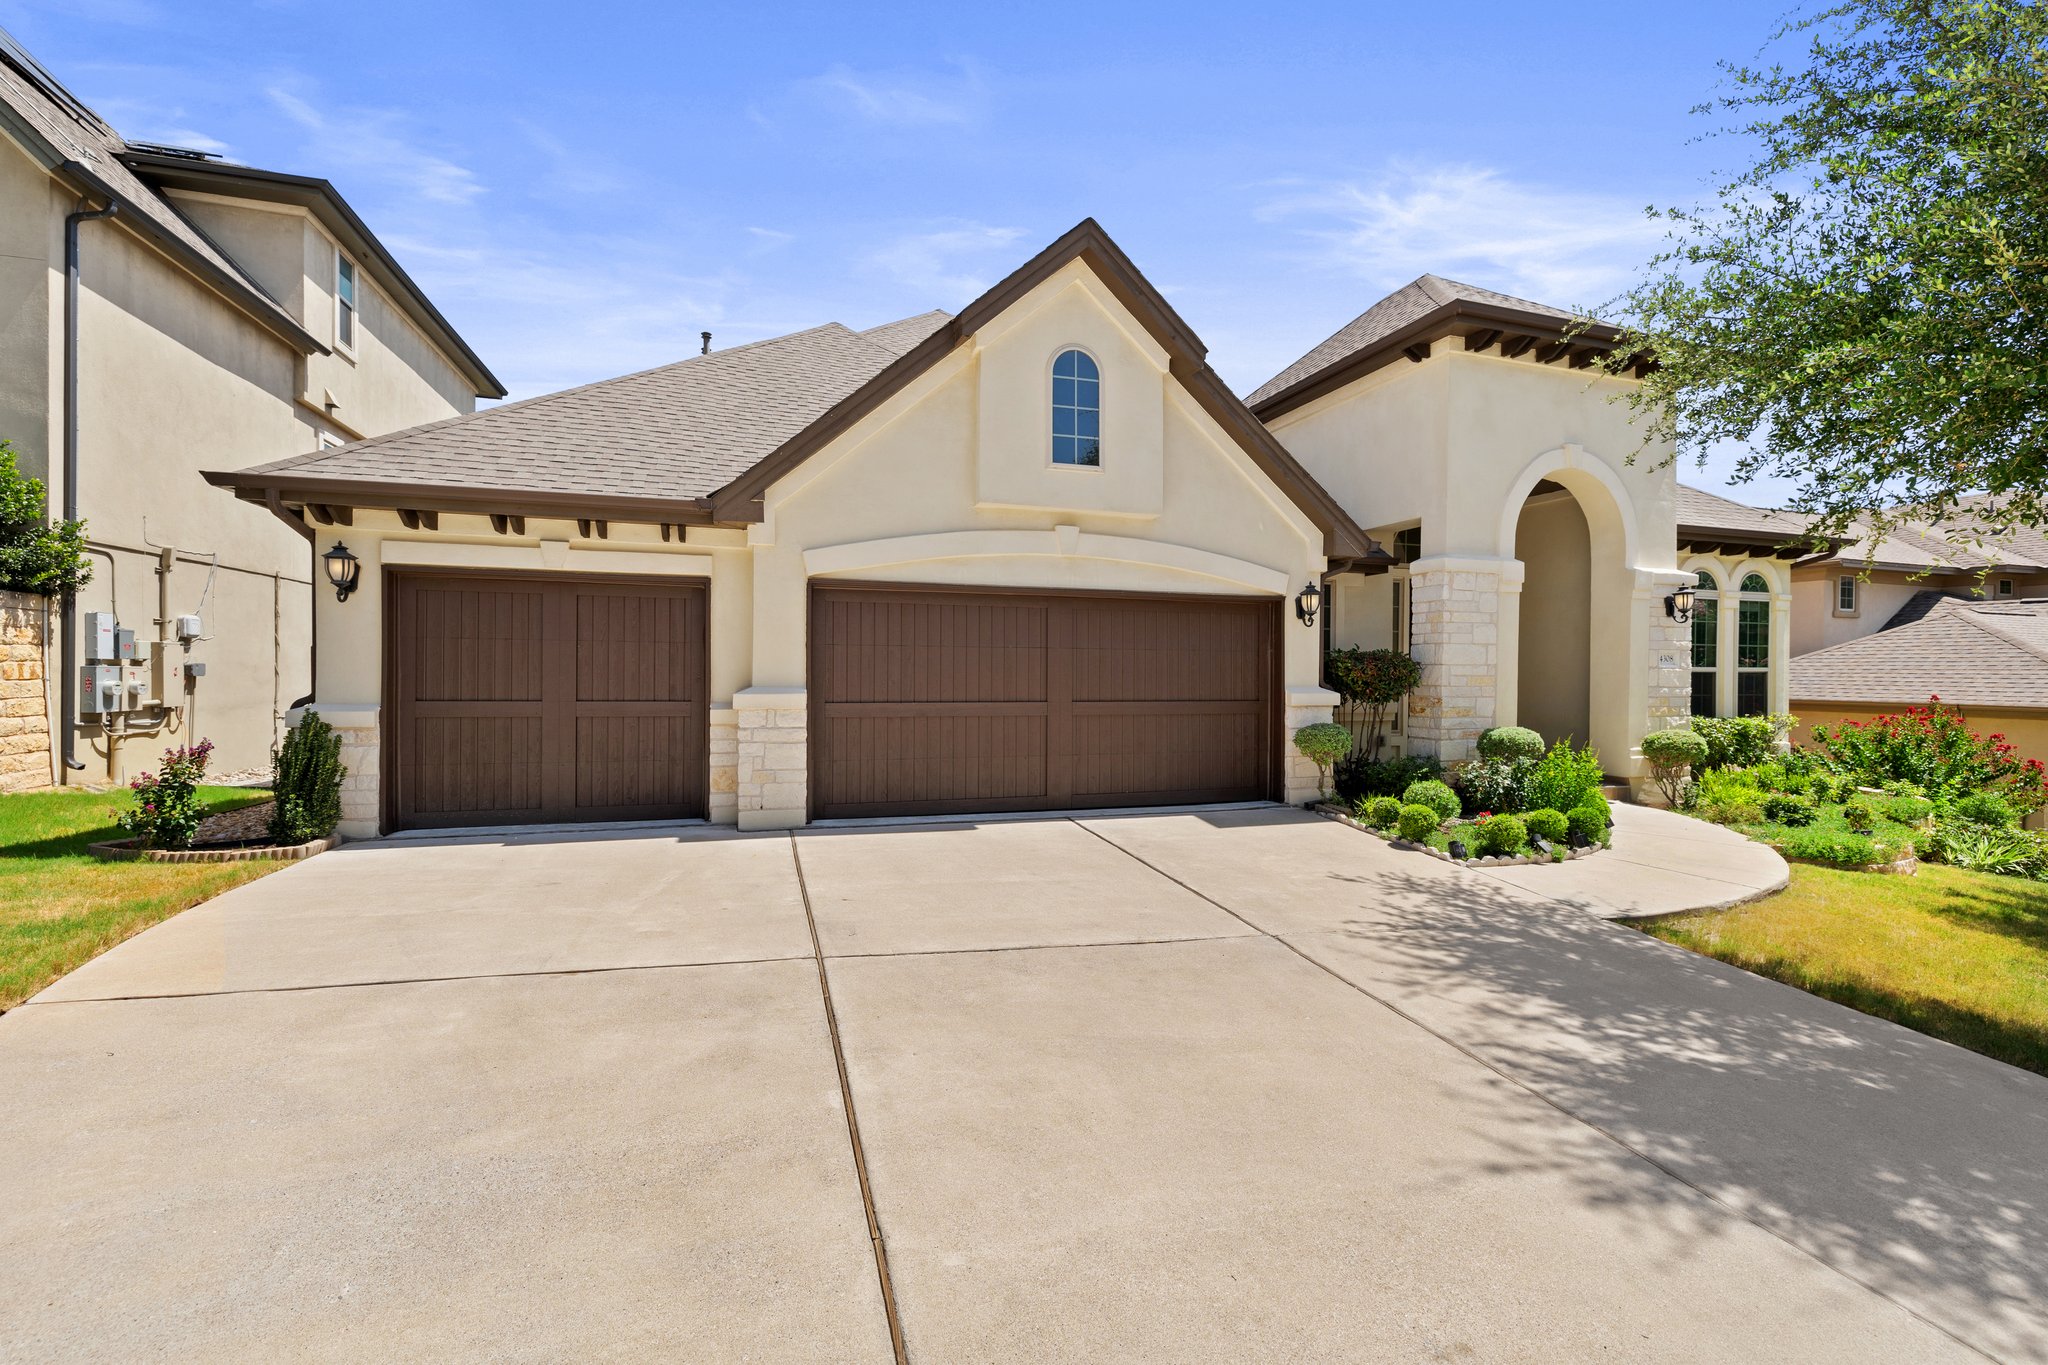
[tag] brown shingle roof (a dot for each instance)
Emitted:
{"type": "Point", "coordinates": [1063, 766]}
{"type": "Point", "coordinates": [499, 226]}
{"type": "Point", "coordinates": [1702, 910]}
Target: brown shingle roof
{"type": "Point", "coordinates": [1967, 653]}
{"type": "Point", "coordinates": [1409, 304]}
{"type": "Point", "coordinates": [898, 337]}
{"type": "Point", "coordinates": [1699, 510]}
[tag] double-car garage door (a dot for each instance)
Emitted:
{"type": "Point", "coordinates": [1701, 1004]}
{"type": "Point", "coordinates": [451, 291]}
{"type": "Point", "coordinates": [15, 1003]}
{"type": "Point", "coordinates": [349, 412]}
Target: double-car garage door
{"type": "Point", "coordinates": [523, 699]}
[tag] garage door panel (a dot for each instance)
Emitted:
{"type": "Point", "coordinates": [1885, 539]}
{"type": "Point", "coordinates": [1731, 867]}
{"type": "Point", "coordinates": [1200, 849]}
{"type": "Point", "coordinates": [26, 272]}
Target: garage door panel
{"type": "Point", "coordinates": [463, 764]}
{"type": "Point", "coordinates": [476, 645]}
{"type": "Point", "coordinates": [929, 651]}
{"type": "Point", "coordinates": [1196, 754]}
{"type": "Point", "coordinates": [1138, 651]}
{"type": "Point", "coordinates": [636, 647]}
{"type": "Point", "coordinates": [934, 764]}
{"type": "Point", "coordinates": [623, 761]}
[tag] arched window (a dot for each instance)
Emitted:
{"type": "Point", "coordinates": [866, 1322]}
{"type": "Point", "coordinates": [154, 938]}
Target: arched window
{"type": "Point", "coordinates": [1753, 646]}
{"type": "Point", "coordinates": [1076, 409]}
{"type": "Point", "coordinates": [1706, 646]}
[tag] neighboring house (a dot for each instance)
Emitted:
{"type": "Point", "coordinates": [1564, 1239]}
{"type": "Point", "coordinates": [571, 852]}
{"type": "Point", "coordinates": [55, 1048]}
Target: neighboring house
{"type": "Point", "coordinates": [225, 316]}
{"type": "Point", "coordinates": [1035, 555]}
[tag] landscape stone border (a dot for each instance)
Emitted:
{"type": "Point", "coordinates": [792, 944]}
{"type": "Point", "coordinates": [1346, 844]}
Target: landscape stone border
{"type": "Point", "coordinates": [1345, 817]}
{"type": "Point", "coordinates": [1905, 867]}
{"type": "Point", "coordinates": [127, 851]}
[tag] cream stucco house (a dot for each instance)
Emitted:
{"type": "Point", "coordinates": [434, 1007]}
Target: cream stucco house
{"type": "Point", "coordinates": [163, 311]}
{"type": "Point", "coordinates": [1034, 555]}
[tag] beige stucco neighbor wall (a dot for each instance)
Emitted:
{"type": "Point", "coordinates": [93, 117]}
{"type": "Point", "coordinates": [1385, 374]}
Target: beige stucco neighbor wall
{"type": "Point", "coordinates": [1458, 442]}
{"type": "Point", "coordinates": [24, 721]}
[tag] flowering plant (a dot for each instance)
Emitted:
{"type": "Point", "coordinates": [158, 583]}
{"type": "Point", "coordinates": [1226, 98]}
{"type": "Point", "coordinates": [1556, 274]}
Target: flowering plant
{"type": "Point", "coordinates": [166, 813]}
{"type": "Point", "coordinates": [1933, 748]}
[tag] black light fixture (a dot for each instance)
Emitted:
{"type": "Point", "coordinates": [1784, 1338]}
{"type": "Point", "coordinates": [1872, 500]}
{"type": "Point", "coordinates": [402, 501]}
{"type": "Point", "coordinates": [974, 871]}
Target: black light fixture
{"type": "Point", "coordinates": [343, 569]}
{"type": "Point", "coordinates": [1458, 850]}
{"type": "Point", "coordinates": [1678, 606]}
{"type": "Point", "coordinates": [1542, 846]}
{"type": "Point", "coordinates": [1308, 602]}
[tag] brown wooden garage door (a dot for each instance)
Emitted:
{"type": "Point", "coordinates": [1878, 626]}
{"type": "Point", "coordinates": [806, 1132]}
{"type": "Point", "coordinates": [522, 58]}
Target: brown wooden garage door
{"type": "Point", "coordinates": [933, 701]}
{"type": "Point", "coordinates": [525, 699]}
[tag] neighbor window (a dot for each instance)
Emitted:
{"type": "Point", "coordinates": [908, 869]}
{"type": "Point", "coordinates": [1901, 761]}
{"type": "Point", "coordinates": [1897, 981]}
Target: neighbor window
{"type": "Point", "coordinates": [1706, 646]}
{"type": "Point", "coordinates": [2005, 587]}
{"type": "Point", "coordinates": [1076, 409]}
{"type": "Point", "coordinates": [344, 301]}
{"type": "Point", "coordinates": [1845, 594]}
{"type": "Point", "coordinates": [1753, 647]}
{"type": "Point", "coordinates": [1408, 544]}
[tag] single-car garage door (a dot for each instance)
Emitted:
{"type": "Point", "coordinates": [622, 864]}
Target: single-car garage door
{"type": "Point", "coordinates": [529, 698]}
{"type": "Point", "coordinates": [927, 701]}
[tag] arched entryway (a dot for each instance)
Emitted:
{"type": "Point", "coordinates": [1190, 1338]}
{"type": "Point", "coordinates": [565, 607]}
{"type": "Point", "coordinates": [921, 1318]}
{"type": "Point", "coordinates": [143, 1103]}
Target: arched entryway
{"type": "Point", "coordinates": [1554, 545]}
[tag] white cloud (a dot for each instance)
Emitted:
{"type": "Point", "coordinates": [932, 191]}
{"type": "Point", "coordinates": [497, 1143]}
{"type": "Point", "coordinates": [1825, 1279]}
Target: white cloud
{"type": "Point", "coordinates": [941, 264]}
{"type": "Point", "coordinates": [905, 100]}
{"type": "Point", "coordinates": [1562, 247]}
{"type": "Point", "coordinates": [368, 141]}
{"type": "Point", "coordinates": [768, 239]}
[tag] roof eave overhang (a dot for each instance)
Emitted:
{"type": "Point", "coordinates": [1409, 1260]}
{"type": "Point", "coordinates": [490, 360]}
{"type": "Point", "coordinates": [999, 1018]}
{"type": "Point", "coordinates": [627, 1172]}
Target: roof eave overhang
{"type": "Point", "coordinates": [459, 499]}
{"type": "Point", "coordinates": [1460, 317]}
{"type": "Point", "coordinates": [320, 198]}
{"type": "Point", "coordinates": [1715, 539]}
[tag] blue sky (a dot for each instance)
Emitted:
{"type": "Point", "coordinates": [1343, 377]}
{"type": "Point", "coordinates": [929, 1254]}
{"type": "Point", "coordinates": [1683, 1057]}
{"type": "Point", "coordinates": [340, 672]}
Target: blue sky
{"type": "Point", "coordinates": [584, 188]}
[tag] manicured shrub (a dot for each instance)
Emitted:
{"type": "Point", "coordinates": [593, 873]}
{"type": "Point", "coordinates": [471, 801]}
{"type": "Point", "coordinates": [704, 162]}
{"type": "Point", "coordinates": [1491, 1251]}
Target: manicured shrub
{"type": "Point", "coordinates": [1502, 836]}
{"type": "Point", "coordinates": [166, 812]}
{"type": "Point", "coordinates": [1547, 824]}
{"type": "Point", "coordinates": [1379, 811]}
{"type": "Point", "coordinates": [1561, 778]}
{"type": "Point", "coordinates": [1436, 796]}
{"type": "Point", "coordinates": [1832, 846]}
{"type": "Point", "coordinates": [1586, 823]}
{"type": "Point", "coordinates": [1323, 745]}
{"type": "Point", "coordinates": [1417, 823]}
{"type": "Point", "coordinates": [1740, 741]}
{"type": "Point", "coordinates": [1932, 748]}
{"type": "Point", "coordinates": [1493, 785]}
{"type": "Point", "coordinates": [1510, 741]}
{"type": "Point", "coordinates": [1859, 813]}
{"type": "Point", "coordinates": [1783, 808]}
{"type": "Point", "coordinates": [1596, 800]}
{"type": "Point", "coordinates": [1356, 778]}
{"type": "Point", "coordinates": [1911, 810]}
{"type": "Point", "coordinates": [1982, 808]}
{"type": "Point", "coordinates": [1371, 681]}
{"type": "Point", "coordinates": [1671, 754]}
{"type": "Point", "coordinates": [305, 777]}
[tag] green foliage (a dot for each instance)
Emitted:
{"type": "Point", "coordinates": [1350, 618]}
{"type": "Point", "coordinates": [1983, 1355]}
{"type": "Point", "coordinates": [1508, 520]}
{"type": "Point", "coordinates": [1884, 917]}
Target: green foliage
{"type": "Point", "coordinates": [1783, 808]}
{"type": "Point", "coordinates": [1390, 778]}
{"type": "Point", "coordinates": [1547, 824]}
{"type": "Point", "coordinates": [305, 776]}
{"type": "Point", "coordinates": [1510, 741]}
{"type": "Point", "coordinates": [1561, 779]}
{"type": "Point", "coordinates": [1860, 814]}
{"type": "Point", "coordinates": [1379, 811]}
{"type": "Point", "coordinates": [1671, 754]}
{"type": "Point", "coordinates": [1493, 785]}
{"type": "Point", "coordinates": [1740, 741]}
{"type": "Point", "coordinates": [1930, 751]}
{"type": "Point", "coordinates": [1983, 808]}
{"type": "Point", "coordinates": [2001, 849]}
{"type": "Point", "coordinates": [1727, 796]}
{"type": "Point", "coordinates": [1911, 810]}
{"type": "Point", "coordinates": [1417, 823]}
{"type": "Point", "coordinates": [36, 555]}
{"type": "Point", "coordinates": [1863, 304]}
{"type": "Point", "coordinates": [1832, 846]}
{"type": "Point", "coordinates": [1436, 796]}
{"type": "Point", "coordinates": [1501, 837]}
{"type": "Point", "coordinates": [1323, 745]}
{"type": "Point", "coordinates": [1371, 681]}
{"type": "Point", "coordinates": [167, 809]}
{"type": "Point", "coordinates": [1587, 823]}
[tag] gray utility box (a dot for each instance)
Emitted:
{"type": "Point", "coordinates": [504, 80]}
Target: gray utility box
{"type": "Point", "coordinates": [99, 629]}
{"type": "Point", "coordinates": [100, 691]}
{"type": "Point", "coordinates": [124, 644]}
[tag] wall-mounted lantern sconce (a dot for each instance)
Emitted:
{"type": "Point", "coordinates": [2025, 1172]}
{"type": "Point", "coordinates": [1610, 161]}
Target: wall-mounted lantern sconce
{"type": "Point", "coordinates": [343, 569]}
{"type": "Point", "coordinates": [1678, 606]}
{"type": "Point", "coordinates": [1307, 603]}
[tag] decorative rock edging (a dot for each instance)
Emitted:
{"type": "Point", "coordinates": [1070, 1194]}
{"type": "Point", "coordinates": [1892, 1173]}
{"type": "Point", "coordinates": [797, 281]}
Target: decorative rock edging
{"type": "Point", "coordinates": [1905, 867]}
{"type": "Point", "coordinates": [1344, 817]}
{"type": "Point", "coordinates": [126, 851]}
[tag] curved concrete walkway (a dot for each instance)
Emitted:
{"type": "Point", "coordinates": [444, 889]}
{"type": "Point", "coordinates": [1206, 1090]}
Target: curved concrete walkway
{"type": "Point", "coordinates": [1661, 864]}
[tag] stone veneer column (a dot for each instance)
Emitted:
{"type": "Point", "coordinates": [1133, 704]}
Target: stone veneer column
{"type": "Point", "coordinates": [1301, 781]}
{"type": "Point", "coordinates": [1454, 634]}
{"type": "Point", "coordinates": [360, 741]}
{"type": "Point", "coordinates": [24, 702]}
{"type": "Point", "coordinates": [724, 801]}
{"type": "Point", "coordinates": [774, 757]}
{"type": "Point", "coordinates": [1670, 699]}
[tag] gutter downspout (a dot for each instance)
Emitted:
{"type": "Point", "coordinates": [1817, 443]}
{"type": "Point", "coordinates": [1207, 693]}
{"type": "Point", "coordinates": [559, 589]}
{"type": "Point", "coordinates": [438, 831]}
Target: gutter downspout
{"type": "Point", "coordinates": [277, 509]}
{"type": "Point", "coordinates": [68, 746]}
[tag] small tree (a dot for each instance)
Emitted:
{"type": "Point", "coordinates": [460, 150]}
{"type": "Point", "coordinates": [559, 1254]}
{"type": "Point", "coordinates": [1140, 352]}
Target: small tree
{"type": "Point", "coordinates": [305, 777]}
{"type": "Point", "coordinates": [36, 555]}
{"type": "Point", "coordinates": [1671, 754]}
{"type": "Point", "coordinates": [1370, 681]}
{"type": "Point", "coordinates": [165, 812]}
{"type": "Point", "coordinates": [1323, 745]}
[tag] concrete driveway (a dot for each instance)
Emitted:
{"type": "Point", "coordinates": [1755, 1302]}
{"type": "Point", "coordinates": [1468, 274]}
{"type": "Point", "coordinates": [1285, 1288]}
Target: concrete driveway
{"type": "Point", "coordinates": [1228, 1085]}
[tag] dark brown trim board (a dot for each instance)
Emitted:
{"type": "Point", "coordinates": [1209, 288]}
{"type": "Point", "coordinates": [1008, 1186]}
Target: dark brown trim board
{"type": "Point", "coordinates": [930, 700]}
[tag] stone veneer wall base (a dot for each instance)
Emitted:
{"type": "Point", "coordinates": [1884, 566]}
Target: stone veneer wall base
{"type": "Point", "coordinates": [24, 699]}
{"type": "Point", "coordinates": [773, 769]}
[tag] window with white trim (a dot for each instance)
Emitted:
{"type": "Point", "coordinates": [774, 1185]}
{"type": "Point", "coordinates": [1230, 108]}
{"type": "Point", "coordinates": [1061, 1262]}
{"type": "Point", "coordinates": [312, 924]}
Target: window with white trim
{"type": "Point", "coordinates": [1706, 646]}
{"type": "Point", "coordinates": [1845, 594]}
{"type": "Point", "coordinates": [344, 302]}
{"type": "Point", "coordinates": [1753, 646]}
{"type": "Point", "coordinates": [1076, 409]}
{"type": "Point", "coordinates": [2005, 587]}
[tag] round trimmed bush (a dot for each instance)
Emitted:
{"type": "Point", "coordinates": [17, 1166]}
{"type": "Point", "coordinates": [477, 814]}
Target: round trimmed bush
{"type": "Point", "coordinates": [1381, 812]}
{"type": "Point", "coordinates": [1324, 745]}
{"type": "Point", "coordinates": [1437, 796]}
{"type": "Point", "coordinates": [1510, 741]}
{"type": "Point", "coordinates": [1585, 822]}
{"type": "Point", "coordinates": [1783, 808]}
{"type": "Point", "coordinates": [1547, 824]}
{"type": "Point", "coordinates": [1502, 836]}
{"type": "Point", "coordinates": [1981, 808]}
{"type": "Point", "coordinates": [1680, 748]}
{"type": "Point", "coordinates": [1596, 800]}
{"type": "Point", "coordinates": [1417, 823]}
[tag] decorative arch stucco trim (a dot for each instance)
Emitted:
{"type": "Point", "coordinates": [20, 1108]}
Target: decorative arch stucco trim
{"type": "Point", "coordinates": [1581, 473]}
{"type": "Point", "coordinates": [1062, 541]}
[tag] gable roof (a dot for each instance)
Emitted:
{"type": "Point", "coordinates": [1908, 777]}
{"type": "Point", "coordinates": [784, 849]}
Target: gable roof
{"type": "Point", "coordinates": [702, 439]}
{"type": "Point", "coordinates": [1967, 653]}
{"type": "Point", "coordinates": [1425, 308]}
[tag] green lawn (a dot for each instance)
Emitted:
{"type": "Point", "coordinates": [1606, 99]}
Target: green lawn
{"type": "Point", "coordinates": [60, 906]}
{"type": "Point", "coordinates": [1959, 955]}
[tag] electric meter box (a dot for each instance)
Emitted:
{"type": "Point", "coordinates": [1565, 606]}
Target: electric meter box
{"type": "Point", "coordinates": [190, 628]}
{"type": "Point", "coordinates": [98, 629]}
{"type": "Point", "coordinates": [100, 691]}
{"type": "Point", "coordinates": [124, 645]}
